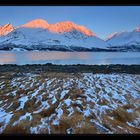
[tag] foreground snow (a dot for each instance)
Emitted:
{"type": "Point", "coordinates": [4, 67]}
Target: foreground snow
{"type": "Point", "coordinates": [108, 102]}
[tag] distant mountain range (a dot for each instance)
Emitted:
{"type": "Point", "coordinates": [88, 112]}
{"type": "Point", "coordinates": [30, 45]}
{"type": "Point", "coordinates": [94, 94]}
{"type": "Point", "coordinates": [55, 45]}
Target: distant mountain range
{"type": "Point", "coordinates": [123, 41]}
{"type": "Point", "coordinates": [38, 34]}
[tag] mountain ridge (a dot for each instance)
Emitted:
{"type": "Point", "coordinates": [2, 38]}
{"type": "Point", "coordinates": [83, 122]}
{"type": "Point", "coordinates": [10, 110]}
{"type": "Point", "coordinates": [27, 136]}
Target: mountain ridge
{"type": "Point", "coordinates": [59, 27]}
{"type": "Point", "coordinates": [65, 36]}
{"type": "Point", "coordinates": [6, 29]}
{"type": "Point", "coordinates": [129, 40]}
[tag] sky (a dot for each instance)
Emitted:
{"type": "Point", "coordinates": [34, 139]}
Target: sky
{"type": "Point", "coordinates": [102, 20]}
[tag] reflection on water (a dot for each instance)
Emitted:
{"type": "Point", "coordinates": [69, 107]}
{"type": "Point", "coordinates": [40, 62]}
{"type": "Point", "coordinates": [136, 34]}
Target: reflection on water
{"type": "Point", "coordinates": [7, 58]}
{"type": "Point", "coordinates": [56, 55]}
{"type": "Point", "coordinates": [33, 57]}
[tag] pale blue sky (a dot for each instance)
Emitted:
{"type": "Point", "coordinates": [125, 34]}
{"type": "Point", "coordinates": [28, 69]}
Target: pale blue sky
{"type": "Point", "coordinates": [102, 20]}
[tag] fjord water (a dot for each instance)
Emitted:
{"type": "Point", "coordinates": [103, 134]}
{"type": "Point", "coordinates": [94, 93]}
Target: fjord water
{"type": "Point", "coordinates": [90, 58]}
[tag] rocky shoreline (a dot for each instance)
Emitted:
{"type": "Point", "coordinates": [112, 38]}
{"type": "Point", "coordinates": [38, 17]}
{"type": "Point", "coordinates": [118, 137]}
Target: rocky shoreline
{"type": "Point", "coordinates": [41, 68]}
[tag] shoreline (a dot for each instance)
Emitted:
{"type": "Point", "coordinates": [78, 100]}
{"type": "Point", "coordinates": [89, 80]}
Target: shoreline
{"type": "Point", "coordinates": [41, 68]}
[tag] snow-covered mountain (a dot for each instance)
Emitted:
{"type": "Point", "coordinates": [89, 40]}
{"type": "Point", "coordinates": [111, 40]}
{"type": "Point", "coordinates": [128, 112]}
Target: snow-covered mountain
{"type": "Point", "coordinates": [39, 34]}
{"type": "Point", "coordinates": [125, 40]}
{"type": "Point", "coordinates": [6, 29]}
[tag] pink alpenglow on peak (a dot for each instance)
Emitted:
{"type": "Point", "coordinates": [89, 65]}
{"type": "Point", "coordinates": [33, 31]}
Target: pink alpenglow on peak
{"type": "Point", "coordinates": [111, 36]}
{"type": "Point", "coordinates": [37, 23]}
{"type": "Point", "coordinates": [39, 34]}
{"type": "Point", "coordinates": [115, 34]}
{"type": "Point", "coordinates": [6, 29]}
{"type": "Point", "coordinates": [60, 27]}
{"type": "Point", "coordinates": [68, 26]}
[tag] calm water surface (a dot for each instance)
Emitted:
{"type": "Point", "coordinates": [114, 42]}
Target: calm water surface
{"type": "Point", "coordinates": [40, 57]}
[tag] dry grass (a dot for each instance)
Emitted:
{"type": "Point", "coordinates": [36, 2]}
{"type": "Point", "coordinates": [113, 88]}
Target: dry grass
{"type": "Point", "coordinates": [75, 93]}
{"type": "Point", "coordinates": [122, 115]}
{"type": "Point", "coordinates": [86, 129]}
{"type": "Point", "coordinates": [22, 91]}
{"type": "Point", "coordinates": [16, 116]}
{"type": "Point", "coordinates": [67, 122]}
{"type": "Point", "coordinates": [61, 128]}
{"type": "Point", "coordinates": [118, 127]}
{"type": "Point", "coordinates": [56, 75]}
{"type": "Point", "coordinates": [48, 112]}
{"type": "Point", "coordinates": [32, 105]}
{"type": "Point", "coordinates": [45, 97]}
{"type": "Point", "coordinates": [18, 129]}
{"type": "Point", "coordinates": [36, 120]}
{"type": "Point", "coordinates": [72, 122]}
{"type": "Point", "coordinates": [14, 106]}
{"type": "Point", "coordinates": [6, 82]}
{"type": "Point", "coordinates": [64, 108]}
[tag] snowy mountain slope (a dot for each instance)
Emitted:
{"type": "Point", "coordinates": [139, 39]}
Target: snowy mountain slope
{"type": "Point", "coordinates": [39, 34]}
{"type": "Point", "coordinates": [6, 29]}
{"type": "Point", "coordinates": [125, 40]}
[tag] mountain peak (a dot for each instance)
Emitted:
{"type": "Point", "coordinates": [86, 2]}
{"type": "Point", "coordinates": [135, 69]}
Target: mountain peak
{"type": "Point", "coordinates": [60, 27]}
{"type": "Point", "coordinates": [67, 26]}
{"type": "Point", "coordinates": [37, 23]}
{"type": "Point", "coordinates": [68, 23]}
{"type": "Point", "coordinates": [7, 28]}
{"type": "Point", "coordinates": [112, 35]}
{"type": "Point", "coordinates": [115, 34]}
